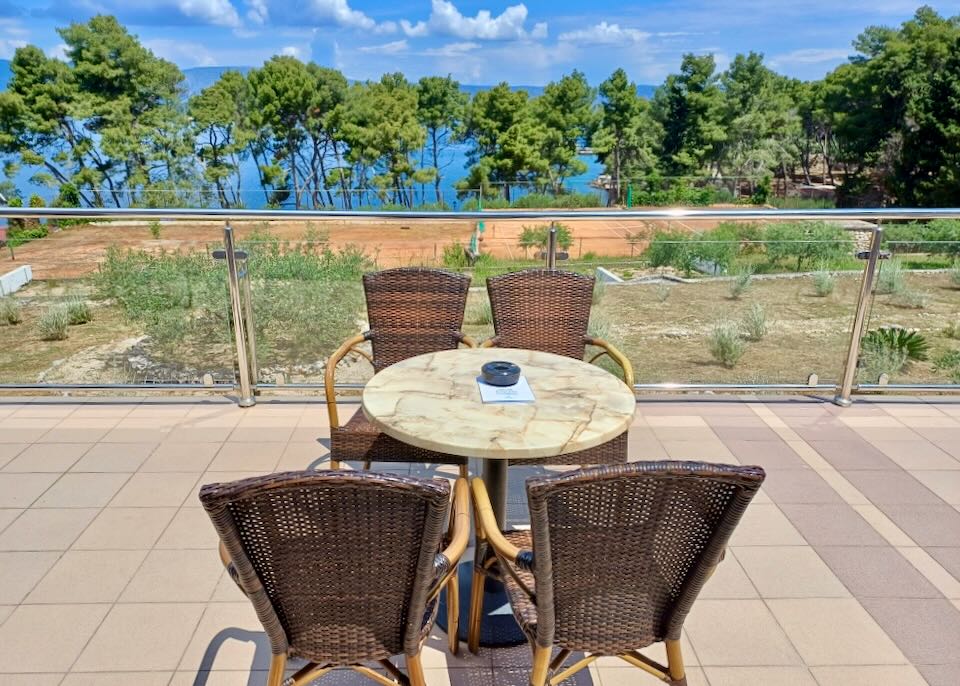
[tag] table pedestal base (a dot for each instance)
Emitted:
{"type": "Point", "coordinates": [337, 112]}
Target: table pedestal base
{"type": "Point", "coordinates": [498, 628]}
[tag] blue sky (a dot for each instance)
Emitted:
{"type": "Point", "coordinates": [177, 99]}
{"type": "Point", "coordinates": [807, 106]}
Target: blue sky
{"type": "Point", "coordinates": [477, 41]}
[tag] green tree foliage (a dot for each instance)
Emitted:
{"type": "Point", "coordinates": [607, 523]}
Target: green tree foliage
{"type": "Point", "coordinates": [806, 242]}
{"type": "Point", "coordinates": [566, 111]}
{"type": "Point", "coordinates": [441, 106]}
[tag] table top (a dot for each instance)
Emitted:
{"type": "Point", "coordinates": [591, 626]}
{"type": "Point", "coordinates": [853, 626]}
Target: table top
{"type": "Point", "coordinates": [432, 401]}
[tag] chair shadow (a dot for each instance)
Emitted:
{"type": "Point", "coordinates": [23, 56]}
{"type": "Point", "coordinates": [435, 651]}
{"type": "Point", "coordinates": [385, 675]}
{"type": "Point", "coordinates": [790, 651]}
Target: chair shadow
{"type": "Point", "coordinates": [261, 654]}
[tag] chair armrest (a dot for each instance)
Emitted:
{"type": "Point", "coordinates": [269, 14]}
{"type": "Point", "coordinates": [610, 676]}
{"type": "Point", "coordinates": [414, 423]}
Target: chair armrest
{"type": "Point", "coordinates": [229, 566]}
{"type": "Point", "coordinates": [466, 340]}
{"type": "Point", "coordinates": [488, 528]}
{"type": "Point", "coordinates": [615, 355]}
{"type": "Point", "coordinates": [328, 374]}
{"type": "Point", "coordinates": [489, 343]}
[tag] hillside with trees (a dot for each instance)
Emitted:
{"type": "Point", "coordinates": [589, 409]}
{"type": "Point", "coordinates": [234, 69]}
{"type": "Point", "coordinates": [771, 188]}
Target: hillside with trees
{"type": "Point", "coordinates": [113, 126]}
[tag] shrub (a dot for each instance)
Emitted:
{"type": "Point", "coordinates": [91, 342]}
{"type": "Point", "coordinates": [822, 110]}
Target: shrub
{"type": "Point", "coordinates": [599, 288]}
{"type": "Point", "coordinates": [949, 363]}
{"type": "Point", "coordinates": [741, 281]}
{"type": "Point", "coordinates": [155, 229]}
{"type": "Point", "coordinates": [725, 344]}
{"type": "Point", "coordinates": [914, 300]}
{"type": "Point", "coordinates": [479, 312]}
{"type": "Point", "coordinates": [539, 236]}
{"type": "Point", "coordinates": [755, 322]}
{"type": "Point", "coordinates": [953, 329]}
{"type": "Point", "coordinates": [537, 201]}
{"type": "Point", "coordinates": [806, 242]}
{"type": "Point", "coordinates": [454, 256]}
{"type": "Point", "coordinates": [875, 361]}
{"type": "Point", "coordinates": [78, 312]}
{"type": "Point", "coordinates": [10, 312]}
{"type": "Point", "coordinates": [891, 279]}
{"type": "Point", "coordinates": [909, 341]}
{"type": "Point", "coordinates": [599, 326]}
{"type": "Point", "coordinates": [663, 291]}
{"type": "Point", "coordinates": [940, 237]}
{"type": "Point", "coordinates": [955, 274]}
{"type": "Point", "coordinates": [53, 323]}
{"type": "Point", "coordinates": [684, 251]}
{"type": "Point", "coordinates": [823, 283]}
{"type": "Point", "coordinates": [762, 191]}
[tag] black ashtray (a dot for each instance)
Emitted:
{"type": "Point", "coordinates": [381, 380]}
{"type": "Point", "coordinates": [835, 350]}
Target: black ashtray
{"type": "Point", "coordinates": [498, 373]}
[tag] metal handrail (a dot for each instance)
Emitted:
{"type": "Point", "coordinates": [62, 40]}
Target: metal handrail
{"type": "Point", "coordinates": [242, 313]}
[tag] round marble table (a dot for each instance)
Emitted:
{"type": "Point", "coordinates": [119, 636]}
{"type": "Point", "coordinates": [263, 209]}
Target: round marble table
{"type": "Point", "coordinates": [433, 401]}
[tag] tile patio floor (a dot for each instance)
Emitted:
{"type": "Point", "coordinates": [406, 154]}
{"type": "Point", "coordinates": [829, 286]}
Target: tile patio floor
{"type": "Point", "coordinates": [845, 571]}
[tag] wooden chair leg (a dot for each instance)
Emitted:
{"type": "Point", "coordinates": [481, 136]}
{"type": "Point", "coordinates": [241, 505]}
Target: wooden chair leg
{"type": "Point", "coordinates": [334, 464]}
{"type": "Point", "coordinates": [476, 611]}
{"type": "Point", "coordinates": [278, 665]}
{"type": "Point", "coordinates": [541, 666]}
{"type": "Point", "coordinates": [366, 465]}
{"type": "Point", "coordinates": [453, 613]}
{"type": "Point", "coordinates": [465, 471]}
{"type": "Point", "coordinates": [678, 676]}
{"type": "Point", "coordinates": [415, 670]}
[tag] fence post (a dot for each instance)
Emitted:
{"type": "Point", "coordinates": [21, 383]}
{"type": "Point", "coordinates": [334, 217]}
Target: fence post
{"type": "Point", "coordinates": [552, 247]}
{"type": "Point", "coordinates": [249, 326]}
{"type": "Point", "coordinates": [856, 333]}
{"type": "Point", "coordinates": [239, 323]}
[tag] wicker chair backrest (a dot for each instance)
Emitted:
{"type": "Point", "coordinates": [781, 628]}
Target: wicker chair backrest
{"type": "Point", "coordinates": [337, 564]}
{"type": "Point", "coordinates": [621, 552]}
{"type": "Point", "coordinates": [413, 311]}
{"type": "Point", "coordinates": [541, 309]}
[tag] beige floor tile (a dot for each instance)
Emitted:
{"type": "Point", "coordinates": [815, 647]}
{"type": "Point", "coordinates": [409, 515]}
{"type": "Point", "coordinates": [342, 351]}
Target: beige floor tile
{"type": "Point", "coordinates": [235, 636]}
{"type": "Point", "coordinates": [58, 411]}
{"type": "Point", "coordinates": [738, 633]}
{"type": "Point", "coordinates": [871, 675]}
{"type": "Point", "coordinates": [760, 676]}
{"type": "Point", "coordinates": [270, 434]}
{"type": "Point", "coordinates": [835, 632]}
{"type": "Point", "coordinates": [145, 637]}
{"type": "Point", "coordinates": [180, 457]}
{"type": "Point", "coordinates": [29, 633]}
{"type": "Point", "coordinates": [43, 529]}
{"type": "Point", "coordinates": [7, 515]}
{"type": "Point", "coordinates": [20, 572]}
{"type": "Point", "coordinates": [30, 679]}
{"type": "Point", "coordinates": [8, 451]}
{"type": "Point", "coordinates": [790, 572]}
{"type": "Point", "coordinates": [20, 490]}
{"type": "Point", "coordinates": [309, 455]}
{"type": "Point", "coordinates": [227, 591]}
{"type": "Point", "coordinates": [631, 676]}
{"type": "Point", "coordinates": [47, 457]}
{"type": "Point", "coordinates": [83, 490]}
{"type": "Point", "coordinates": [199, 434]}
{"type": "Point", "coordinates": [60, 434]}
{"type": "Point", "coordinates": [684, 433]}
{"type": "Point", "coordinates": [6, 611]}
{"type": "Point", "coordinates": [114, 457]}
{"type": "Point", "coordinates": [237, 677]}
{"type": "Point", "coordinates": [180, 576]}
{"type": "Point", "coordinates": [104, 411]}
{"type": "Point", "coordinates": [119, 679]}
{"type": "Point", "coordinates": [764, 524]}
{"type": "Point", "coordinates": [124, 528]}
{"type": "Point", "coordinates": [675, 420]}
{"type": "Point", "coordinates": [83, 576]}
{"type": "Point", "coordinates": [708, 451]}
{"type": "Point", "coordinates": [729, 581]}
{"type": "Point", "coordinates": [168, 489]}
{"type": "Point", "coordinates": [945, 484]}
{"type": "Point", "coordinates": [252, 456]}
{"type": "Point", "coordinates": [190, 529]}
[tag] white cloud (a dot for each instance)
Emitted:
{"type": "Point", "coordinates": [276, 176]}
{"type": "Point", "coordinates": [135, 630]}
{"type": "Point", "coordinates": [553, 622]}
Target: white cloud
{"type": "Point", "coordinates": [257, 11]}
{"type": "Point", "coordinates": [393, 48]}
{"type": "Point", "coordinates": [605, 34]}
{"type": "Point", "coordinates": [182, 53]}
{"type": "Point", "coordinates": [446, 19]}
{"type": "Point", "coordinates": [451, 49]}
{"type": "Point", "coordinates": [810, 56]}
{"type": "Point", "coordinates": [9, 45]}
{"type": "Point", "coordinates": [340, 13]}
{"type": "Point", "coordinates": [219, 12]}
{"type": "Point", "coordinates": [301, 53]}
{"type": "Point", "coordinates": [58, 52]}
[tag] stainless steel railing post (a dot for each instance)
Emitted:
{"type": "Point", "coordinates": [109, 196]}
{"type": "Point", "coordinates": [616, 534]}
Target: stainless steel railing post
{"type": "Point", "coordinates": [239, 324]}
{"type": "Point", "coordinates": [552, 247]}
{"type": "Point", "coordinates": [856, 333]}
{"type": "Point", "coordinates": [249, 325]}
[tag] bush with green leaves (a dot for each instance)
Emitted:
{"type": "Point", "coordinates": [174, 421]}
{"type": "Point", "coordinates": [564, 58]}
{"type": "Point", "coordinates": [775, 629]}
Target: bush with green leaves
{"type": "Point", "coordinates": [155, 229]}
{"type": "Point", "coordinates": [909, 341]}
{"type": "Point", "coordinates": [725, 343]}
{"type": "Point", "coordinates": [663, 291]}
{"type": "Point", "coordinates": [806, 242]}
{"type": "Point", "coordinates": [53, 323]}
{"type": "Point", "coordinates": [754, 322]}
{"type": "Point", "coordinates": [10, 313]}
{"type": "Point", "coordinates": [824, 283]}
{"type": "Point", "coordinates": [686, 252]}
{"type": "Point", "coordinates": [455, 256]}
{"type": "Point", "coordinates": [78, 311]}
{"type": "Point", "coordinates": [539, 236]}
{"type": "Point", "coordinates": [762, 191]}
{"type": "Point", "coordinates": [740, 283]}
{"type": "Point", "coordinates": [537, 201]}
{"type": "Point", "coordinates": [891, 279]}
{"type": "Point", "coordinates": [910, 299]}
{"type": "Point", "coordinates": [937, 237]}
{"type": "Point", "coordinates": [953, 329]}
{"type": "Point", "coordinates": [949, 363]}
{"type": "Point", "coordinates": [955, 274]}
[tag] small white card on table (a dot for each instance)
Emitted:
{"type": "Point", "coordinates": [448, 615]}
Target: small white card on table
{"type": "Point", "coordinates": [520, 392]}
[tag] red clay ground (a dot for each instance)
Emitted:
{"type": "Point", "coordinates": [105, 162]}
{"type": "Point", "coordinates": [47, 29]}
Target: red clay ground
{"type": "Point", "coordinates": [76, 251]}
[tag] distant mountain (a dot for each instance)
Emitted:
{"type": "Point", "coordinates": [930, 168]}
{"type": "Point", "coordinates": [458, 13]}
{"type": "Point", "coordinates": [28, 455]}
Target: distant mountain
{"type": "Point", "coordinates": [198, 78]}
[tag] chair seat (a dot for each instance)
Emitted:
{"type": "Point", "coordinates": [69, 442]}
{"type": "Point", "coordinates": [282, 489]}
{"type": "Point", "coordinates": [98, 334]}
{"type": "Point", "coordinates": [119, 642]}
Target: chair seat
{"type": "Point", "coordinates": [359, 440]}
{"type": "Point", "coordinates": [523, 606]}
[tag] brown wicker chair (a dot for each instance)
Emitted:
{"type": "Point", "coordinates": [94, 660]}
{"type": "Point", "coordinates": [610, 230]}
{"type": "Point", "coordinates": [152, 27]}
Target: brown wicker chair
{"type": "Point", "coordinates": [549, 310]}
{"type": "Point", "coordinates": [412, 311]}
{"type": "Point", "coordinates": [614, 560]}
{"type": "Point", "coordinates": [342, 567]}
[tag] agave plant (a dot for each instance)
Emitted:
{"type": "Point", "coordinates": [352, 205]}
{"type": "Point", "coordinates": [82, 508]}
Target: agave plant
{"type": "Point", "coordinates": [909, 341]}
